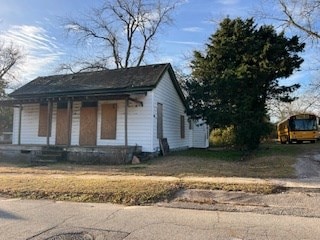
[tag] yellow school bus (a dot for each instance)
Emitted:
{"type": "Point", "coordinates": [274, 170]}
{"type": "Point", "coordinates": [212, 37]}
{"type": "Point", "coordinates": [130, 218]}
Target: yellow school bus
{"type": "Point", "coordinates": [298, 128]}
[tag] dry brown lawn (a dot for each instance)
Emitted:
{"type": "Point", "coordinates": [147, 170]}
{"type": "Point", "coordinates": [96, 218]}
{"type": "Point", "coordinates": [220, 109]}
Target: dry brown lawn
{"type": "Point", "coordinates": [143, 183]}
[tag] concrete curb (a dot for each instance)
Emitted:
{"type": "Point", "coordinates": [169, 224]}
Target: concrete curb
{"type": "Point", "coordinates": [303, 184]}
{"type": "Point", "coordinates": [299, 184]}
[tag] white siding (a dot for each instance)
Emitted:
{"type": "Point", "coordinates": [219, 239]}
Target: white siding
{"type": "Point", "coordinates": [166, 94]}
{"type": "Point", "coordinates": [139, 124]}
{"type": "Point", "coordinates": [30, 125]}
{"type": "Point", "coordinates": [200, 135]}
{"type": "Point", "coordinates": [75, 129]}
{"type": "Point", "coordinates": [15, 126]}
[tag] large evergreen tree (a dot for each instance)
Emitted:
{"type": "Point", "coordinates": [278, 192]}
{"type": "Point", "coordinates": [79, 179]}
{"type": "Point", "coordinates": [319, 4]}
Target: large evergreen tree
{"type": "Point", "coordinates": [238, 73]}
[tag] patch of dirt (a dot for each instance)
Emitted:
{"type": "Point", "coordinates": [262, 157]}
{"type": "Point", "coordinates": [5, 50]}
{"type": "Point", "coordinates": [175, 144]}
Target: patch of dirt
{"type": "Point", "coordinates": [308, 166]}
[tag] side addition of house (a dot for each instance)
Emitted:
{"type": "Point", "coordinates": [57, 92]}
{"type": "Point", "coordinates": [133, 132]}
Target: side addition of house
{"type": "Point", "coordinates": [104, 111]}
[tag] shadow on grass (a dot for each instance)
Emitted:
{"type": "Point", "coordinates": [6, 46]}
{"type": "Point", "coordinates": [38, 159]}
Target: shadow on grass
{"type": "Point", "coordinates": [224, 154]}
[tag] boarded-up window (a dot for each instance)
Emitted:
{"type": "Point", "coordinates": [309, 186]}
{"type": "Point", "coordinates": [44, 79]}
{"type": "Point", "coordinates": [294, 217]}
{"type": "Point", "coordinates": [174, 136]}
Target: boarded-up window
{"type": "Point", "coordinates": [182, 127]}
{"type": "Point", "coordinates": [43, 120]}
{"type": "Point", "coordinates": [108, 121]}
{"type": "Point", "coordinates": [159, 120]}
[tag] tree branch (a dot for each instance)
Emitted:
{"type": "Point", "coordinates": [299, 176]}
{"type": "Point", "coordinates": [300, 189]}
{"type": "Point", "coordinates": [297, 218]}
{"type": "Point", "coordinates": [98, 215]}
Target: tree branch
{"type": "Point", "coordinates": [140, 21]}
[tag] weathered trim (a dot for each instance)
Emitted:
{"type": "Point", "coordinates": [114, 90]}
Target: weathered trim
{"type": "Point", "coordinates": [29, 99]}
{"type": "Point", "coordinates": [136, 101]}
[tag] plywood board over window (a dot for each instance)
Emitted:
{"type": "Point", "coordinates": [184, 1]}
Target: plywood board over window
{"type": "Point", "coordinates": [108, 121]}
{"type": "Point", "coordinates": [43, 120]}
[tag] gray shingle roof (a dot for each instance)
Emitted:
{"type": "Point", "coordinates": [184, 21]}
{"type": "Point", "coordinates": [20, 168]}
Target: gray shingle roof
{"type": "Point", "coordinates": [108, 81]}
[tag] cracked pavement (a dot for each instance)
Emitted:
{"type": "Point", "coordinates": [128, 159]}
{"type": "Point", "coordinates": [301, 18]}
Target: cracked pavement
{"type": "Point", "coordinates": [33, 220]}
{"type": "Point", "coordinates": [299, 204]}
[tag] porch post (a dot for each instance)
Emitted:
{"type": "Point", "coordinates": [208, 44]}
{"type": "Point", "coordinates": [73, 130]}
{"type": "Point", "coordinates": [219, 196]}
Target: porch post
{"type": "Point", "coordinates": [19, 127]}
{"type": "Point", "coordinates": [69, 113]}
{"type": "Point", "coordinates": [126, 123]}
{"type": "Point", "coordinates": [49, 121]}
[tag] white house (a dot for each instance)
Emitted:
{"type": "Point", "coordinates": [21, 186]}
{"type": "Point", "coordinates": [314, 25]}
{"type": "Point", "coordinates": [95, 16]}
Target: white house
{"type": "Point", "coordinates": [134, 107]}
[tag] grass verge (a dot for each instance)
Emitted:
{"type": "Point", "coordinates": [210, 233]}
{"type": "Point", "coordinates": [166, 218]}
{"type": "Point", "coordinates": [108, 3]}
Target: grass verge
{"type": "Point", "coordinates": [101, 189]}
{"type": "Point", "coordinates": [82, 183]}
{"type": "Point", "coordinates": [70, 188]}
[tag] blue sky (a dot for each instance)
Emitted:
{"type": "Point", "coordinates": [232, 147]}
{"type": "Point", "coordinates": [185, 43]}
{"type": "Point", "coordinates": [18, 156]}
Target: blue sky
{"type": "Point", "coordinates": [36, 26]}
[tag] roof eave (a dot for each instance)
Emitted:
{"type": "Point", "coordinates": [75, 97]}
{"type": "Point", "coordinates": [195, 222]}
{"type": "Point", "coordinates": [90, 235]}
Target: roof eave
{"type": "Point", "coordinates": [74, 95]}
{"type": "Point", "coordinates": [106, 92]}
{"type": "Point", "coordinates": [175, 83]}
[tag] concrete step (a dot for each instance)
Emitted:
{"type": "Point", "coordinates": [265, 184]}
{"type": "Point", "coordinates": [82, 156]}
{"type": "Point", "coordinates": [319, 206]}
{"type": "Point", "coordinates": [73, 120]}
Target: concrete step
{"type": "Point", "coordinates": [48, 155]}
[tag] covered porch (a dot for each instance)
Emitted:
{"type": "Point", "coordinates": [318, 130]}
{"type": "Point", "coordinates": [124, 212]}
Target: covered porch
{"type": "Point", "coordinates": [60, 118]}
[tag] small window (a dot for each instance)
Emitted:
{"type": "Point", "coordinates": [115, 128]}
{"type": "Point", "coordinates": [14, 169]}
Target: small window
{"type": "Point", "coordinates": [182, 127]}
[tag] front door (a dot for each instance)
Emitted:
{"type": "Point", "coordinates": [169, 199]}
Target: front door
{"type": "Point", "coordinates": [62, 131]}
{"type": "Point", "coordinates": [88, 124]}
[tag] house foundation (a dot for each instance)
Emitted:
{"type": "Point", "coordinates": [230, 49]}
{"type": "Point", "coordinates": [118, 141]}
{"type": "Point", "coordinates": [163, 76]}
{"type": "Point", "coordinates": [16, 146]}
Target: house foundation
{"type": "Point", "coordinates": [102, 155]}
{"type": "Point", "coordinates": [74, 154]}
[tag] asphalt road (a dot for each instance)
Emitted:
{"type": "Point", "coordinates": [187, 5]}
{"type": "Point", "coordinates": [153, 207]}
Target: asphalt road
{"type": "Point", "coordinates": [28, 219]}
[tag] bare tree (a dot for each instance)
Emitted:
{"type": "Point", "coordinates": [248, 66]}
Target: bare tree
{"type": "Point", "coordinates": [124, 30]}
{"type": "Point", "coordinates": [301, 15]}
{"type": "Point", "coordinates": [10, 56]}
{"type": "Point", "coordinates": [307, 103]}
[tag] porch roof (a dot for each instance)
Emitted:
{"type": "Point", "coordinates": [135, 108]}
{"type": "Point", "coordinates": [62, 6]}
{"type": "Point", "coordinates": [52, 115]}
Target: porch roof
{"type": "Point", "coordinates": [107, 84]}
